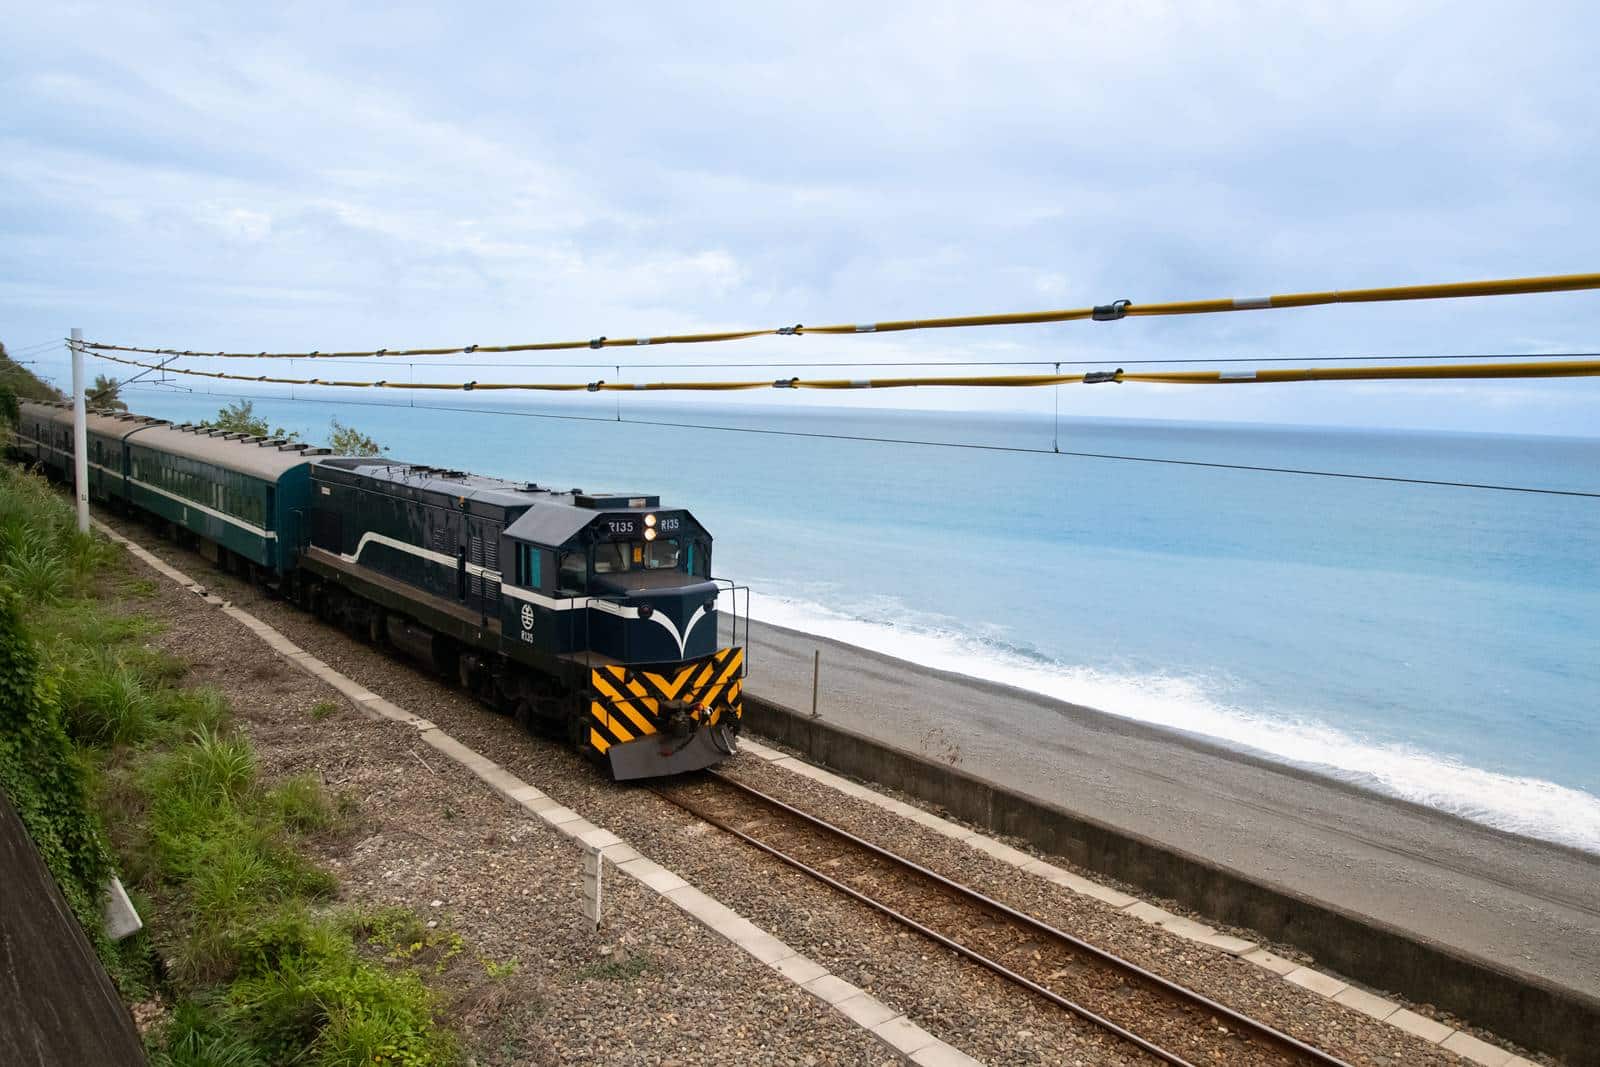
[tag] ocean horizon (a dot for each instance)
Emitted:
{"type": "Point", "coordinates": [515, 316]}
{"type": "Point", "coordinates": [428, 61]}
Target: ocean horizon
{"type": "Point", "coordinates": [1436, 643]}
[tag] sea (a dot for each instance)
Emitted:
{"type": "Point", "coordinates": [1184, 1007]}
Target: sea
{"type": "Point", "coordinates": [1438, 643]}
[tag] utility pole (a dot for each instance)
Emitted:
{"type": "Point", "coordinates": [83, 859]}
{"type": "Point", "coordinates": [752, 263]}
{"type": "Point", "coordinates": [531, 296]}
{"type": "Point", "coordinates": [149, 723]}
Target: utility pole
{"type": "Point", "coordinates": [80, 433]}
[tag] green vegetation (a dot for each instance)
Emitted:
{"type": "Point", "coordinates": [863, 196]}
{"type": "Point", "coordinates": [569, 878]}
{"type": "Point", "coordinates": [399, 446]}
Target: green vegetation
{"type": "Point", "coordinates": [21, 383]}
{"type": "Point", "coordinates": [302, 993]}
{"type": "Point", "coordinates": [348, 441]}
{"type": "Point", "coordinates": [240, 417]}
{"type": "Point", "coordinates": [42, 774]}
{"type": "Point", "coordinates": [324, 709]}
{"type": "Point", "coordinates": [103, 394]}
{"type": "Point", "coordinates": [617, 969]}
{"type": "Point", "coordinates": [255, 965]}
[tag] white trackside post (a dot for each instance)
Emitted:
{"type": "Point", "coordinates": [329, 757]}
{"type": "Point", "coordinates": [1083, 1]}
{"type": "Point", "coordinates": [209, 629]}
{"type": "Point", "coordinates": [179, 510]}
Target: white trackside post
{"type": "Point", "coordinates": [594, 862]}
{"type": "Point", "coordinates": [80, 433]}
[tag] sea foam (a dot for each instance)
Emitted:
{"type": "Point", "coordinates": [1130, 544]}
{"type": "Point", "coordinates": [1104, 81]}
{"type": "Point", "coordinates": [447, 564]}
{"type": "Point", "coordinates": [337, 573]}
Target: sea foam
{"type": "Point", "coordinates": [1523, 805]}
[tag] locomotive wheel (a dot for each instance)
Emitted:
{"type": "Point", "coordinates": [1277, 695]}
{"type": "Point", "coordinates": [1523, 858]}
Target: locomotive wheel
{"type": "Point", "coordinates": [524, 714]}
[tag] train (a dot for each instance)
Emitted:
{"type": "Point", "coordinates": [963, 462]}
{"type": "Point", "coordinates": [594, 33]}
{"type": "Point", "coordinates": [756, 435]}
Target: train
{"type": "Point", "coordinates": [592, 616]}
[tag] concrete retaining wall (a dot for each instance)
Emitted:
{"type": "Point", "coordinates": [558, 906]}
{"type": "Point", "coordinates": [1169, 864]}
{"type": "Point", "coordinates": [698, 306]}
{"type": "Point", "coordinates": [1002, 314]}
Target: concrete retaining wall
{"type": "Point", "coordinates": [1516, 1006]}
{"type": "Point", "coordinates": [58, 1007]}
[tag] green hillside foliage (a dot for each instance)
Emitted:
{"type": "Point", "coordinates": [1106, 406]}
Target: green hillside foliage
{"type": "Point", "coordinates": [22, 383]}
{"type": "Point", "coordinates": [114, 765]}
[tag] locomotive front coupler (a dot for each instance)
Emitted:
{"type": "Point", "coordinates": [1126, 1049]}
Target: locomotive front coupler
{"type": "Point", "coordinates": [677, 718]}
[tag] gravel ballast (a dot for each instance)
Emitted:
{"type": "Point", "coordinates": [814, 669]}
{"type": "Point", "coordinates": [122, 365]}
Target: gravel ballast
{"type": "Point", "coordinates": [485, 863]}
{"type": "Point", "coordinates": [652, 987]}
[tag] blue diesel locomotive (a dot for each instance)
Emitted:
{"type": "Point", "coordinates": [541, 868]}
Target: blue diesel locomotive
{"type": "Point", "coordinates": [594, 615]}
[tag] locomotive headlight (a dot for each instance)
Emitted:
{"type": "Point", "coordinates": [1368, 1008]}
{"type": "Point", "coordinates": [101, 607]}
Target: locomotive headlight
{"type": "Point", "coordinates": [649, 520]}
{"type": "Point", "coordinates": [649, 535]}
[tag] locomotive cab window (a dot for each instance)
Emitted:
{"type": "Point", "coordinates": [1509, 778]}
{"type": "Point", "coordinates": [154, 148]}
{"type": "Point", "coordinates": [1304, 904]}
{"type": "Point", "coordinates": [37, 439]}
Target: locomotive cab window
{"type": "Point", "coordinates": [615, 557]}
{"type": "Point", "coordinates": [574, 574]}
{"type": "Point", "coordinates": [528, 566]}
{"type": "Point", "coordinates": [612, 557]}
{"type": "Point", "coordinates": [660, 555]}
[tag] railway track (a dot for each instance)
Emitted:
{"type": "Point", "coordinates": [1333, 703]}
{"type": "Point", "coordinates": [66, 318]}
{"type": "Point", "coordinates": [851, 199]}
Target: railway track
{"type": "Point", "coordinates": [1165, 1020]}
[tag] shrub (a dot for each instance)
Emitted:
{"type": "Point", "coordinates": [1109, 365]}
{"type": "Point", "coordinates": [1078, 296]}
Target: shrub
{"type": "Point", "coordinates": [302, 994]}
{"type": "Point", "coordinates": [35, 569]}
{"type": "Point", "coordinates": [349, 441]}
{"type": "Point", "coordinates": [210, 853]}
{"type": "Point", "coordinates": [43, 776]}
{"type": "Point", "coordinates": [195, 1037]}
{"type": "Point", "coordinates": [240, 417]}
{"type": "Point", "coordinates": [106, 702]}
{"type": "Point", "coordinates": [113, 694]}
{"type": "Point", "coordinates": [211, 846]}
{"type": "Point", "coordinates": [299, 804]}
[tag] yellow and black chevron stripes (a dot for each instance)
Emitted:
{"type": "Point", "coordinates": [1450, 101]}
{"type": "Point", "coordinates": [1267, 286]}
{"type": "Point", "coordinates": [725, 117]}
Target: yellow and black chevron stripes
{"type": "Point", "coordinates": [625, 704]}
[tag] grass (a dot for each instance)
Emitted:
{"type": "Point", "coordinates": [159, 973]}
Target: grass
{"type": "Point", "coordinates": [141, 588]}
{"type": "Point", "coordinates": [299, 804]}
{"type": "Point", "coordinates": [122, 766]}
{"type": "Point", "coordinates": [114, 691]}
{"type": "Point", "coordinates": [618, 969]}
{"type": "Point", "coordinates": [500, 970]}
{"type": "Point", "coordinates": [42, 555]}
{"type": "Point", "coordinates": [303, 994]}
{"type": "Point", "coordinates": [324, 709]}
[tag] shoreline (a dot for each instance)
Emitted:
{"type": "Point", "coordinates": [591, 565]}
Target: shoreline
{"type": "Point", "coordinates": [1324, 774]}
{"type": "Point", "coordinates": [1441, 877]}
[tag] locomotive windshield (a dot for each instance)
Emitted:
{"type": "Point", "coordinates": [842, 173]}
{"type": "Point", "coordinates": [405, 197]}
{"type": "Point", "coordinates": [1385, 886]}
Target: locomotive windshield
{"type": "Point", "coordinates": [615, 557]}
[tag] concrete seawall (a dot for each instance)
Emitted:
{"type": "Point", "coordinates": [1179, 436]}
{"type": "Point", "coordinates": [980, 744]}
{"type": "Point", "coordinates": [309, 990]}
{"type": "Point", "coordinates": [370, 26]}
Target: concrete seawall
{"type": "Point", "coordinates": [1521, 1007]}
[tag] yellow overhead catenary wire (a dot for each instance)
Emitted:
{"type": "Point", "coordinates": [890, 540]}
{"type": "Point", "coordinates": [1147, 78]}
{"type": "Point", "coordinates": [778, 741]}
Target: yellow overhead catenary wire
{"type": "Point", "coordinates": [1117, 309]}
{"type": "Point", "coordinates": [1566, 368]}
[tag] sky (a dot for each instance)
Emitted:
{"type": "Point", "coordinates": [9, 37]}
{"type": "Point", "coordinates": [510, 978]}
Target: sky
{"type": "Point", "coordinates": [325, 176]}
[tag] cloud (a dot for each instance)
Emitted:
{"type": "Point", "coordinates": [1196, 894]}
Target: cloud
{"type": "Point", "coordinates": [296, 177]}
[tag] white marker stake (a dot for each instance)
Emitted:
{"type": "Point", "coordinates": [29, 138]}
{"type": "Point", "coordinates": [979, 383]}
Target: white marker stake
{"type": "Point", "coordinates": [593, 863]}
{"type": "Point", "coordinates": [80, 433]}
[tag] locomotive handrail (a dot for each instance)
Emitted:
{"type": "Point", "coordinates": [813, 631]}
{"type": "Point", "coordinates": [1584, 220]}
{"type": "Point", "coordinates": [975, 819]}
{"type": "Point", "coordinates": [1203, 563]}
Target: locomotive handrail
{"type": "Point", "coordinates": [627, 631]}
{"type": "Point", "coordinates": [733, 595]}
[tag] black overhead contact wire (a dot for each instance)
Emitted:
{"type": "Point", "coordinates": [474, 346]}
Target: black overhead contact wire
{"type": "Point", "coordinates": [29, 350]}
{"type": "Point", "coordinates": [1013, 449]}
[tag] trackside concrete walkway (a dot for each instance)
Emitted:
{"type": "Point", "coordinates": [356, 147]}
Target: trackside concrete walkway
{"type": "Point", "coordinates": [894, 1029]}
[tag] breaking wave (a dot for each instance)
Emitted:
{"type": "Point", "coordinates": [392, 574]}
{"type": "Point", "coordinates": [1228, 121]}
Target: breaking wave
{"type": "Point", "coordinates": [1524, 805]}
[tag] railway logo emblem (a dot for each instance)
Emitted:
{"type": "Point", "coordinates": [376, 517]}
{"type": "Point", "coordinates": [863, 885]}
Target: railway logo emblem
{"type": "Point", "coordinates": [527, 616]}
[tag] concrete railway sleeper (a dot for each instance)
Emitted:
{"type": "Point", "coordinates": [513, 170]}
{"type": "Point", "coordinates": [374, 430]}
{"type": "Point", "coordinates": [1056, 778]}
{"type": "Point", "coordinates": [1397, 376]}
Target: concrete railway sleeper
{"type": "Point", "coordinates": [1165, 1020]}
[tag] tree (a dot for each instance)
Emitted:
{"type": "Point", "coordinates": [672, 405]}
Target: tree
{"type": "Point", "coordinates": [349, 441]}
{"type": "Point", "coordinates": [240, 417]}
{"type": "Point", "coordinates": [103, 394]}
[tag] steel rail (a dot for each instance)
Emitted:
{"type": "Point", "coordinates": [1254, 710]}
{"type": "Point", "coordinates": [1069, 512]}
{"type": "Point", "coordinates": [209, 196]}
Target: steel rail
{"type": "Point", "coordinates": [1255, 1027]}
